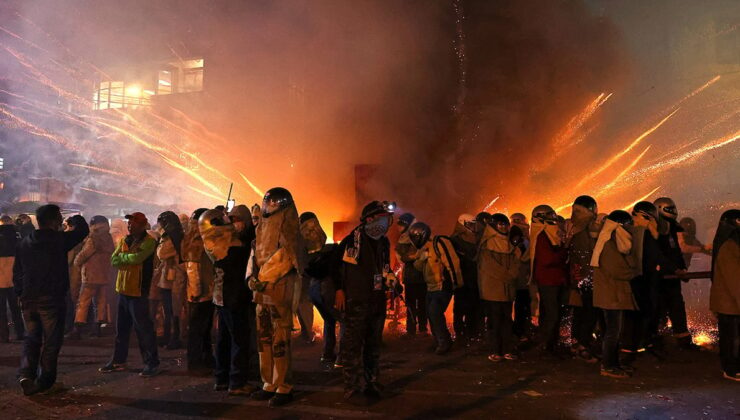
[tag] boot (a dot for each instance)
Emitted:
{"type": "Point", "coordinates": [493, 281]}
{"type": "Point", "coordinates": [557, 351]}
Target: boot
{"type": "Point", "coordinates": [75, 333]}
{"type": "Point", "coordinates": [95, 332]}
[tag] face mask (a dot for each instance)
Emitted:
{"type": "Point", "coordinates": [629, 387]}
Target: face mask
{"type": "Point", "coordinates": [377, 228]}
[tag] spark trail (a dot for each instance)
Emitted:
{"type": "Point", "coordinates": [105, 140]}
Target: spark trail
{"type": "Point", "coordinates": [252, 186]}
{"type": "Point", "coordinates": [628, 207]}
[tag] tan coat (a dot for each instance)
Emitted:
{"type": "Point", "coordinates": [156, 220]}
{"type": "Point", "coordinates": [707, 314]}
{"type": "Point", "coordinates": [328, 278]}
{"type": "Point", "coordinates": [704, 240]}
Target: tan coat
{"type": "Point", "coordinates": [724, 296]}
{"type": "Point", "coordinates": [612, 289]}
{"type": "Point", "coordinates": [94, 258]}
{"type": "Point", "coordinates": [6, 272]}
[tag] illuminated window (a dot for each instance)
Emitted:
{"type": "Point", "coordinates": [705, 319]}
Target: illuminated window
{"type": "Point", "coordinates": [118, 94]}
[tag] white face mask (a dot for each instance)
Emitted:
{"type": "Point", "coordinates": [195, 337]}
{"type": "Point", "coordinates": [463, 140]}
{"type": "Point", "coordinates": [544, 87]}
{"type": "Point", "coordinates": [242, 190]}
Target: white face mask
{"type": "Point", "coordinates": [377, 227]}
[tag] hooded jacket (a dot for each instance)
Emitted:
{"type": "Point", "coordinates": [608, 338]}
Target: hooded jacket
{"type": "Point", "coordinates": [440, 265]}
{"type": "Point", "coordinates": [8, 243]}
{"type": "Point", "coordinates": [549, 258]}
{"type": "Point", "coordinates": [94, 258]}
{"type": "Point", "coordinates": [278, 258]}
{"type": "Point", "coordinates": [198, 266]}
{"type": "Point", "coordinates": [41, 270]}
{"type": "Point", "coordinates": [498, 267]}
{"type": "Point", "coordinates": [407, 254]}
{"type": "Point", "coordinates": [466, 245]}
{"type": "Point", "coordinates": [724, 296]}
{"type": "Point", "coordinates": [134, 258]}
{"type": "Point", "coordinates": [616, 267]}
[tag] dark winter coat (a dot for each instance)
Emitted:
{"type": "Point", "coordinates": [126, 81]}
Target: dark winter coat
{"type": "Point", "coordinates": [669, 247]}
{"type": "Point", "coordinates": [41, 270]}
{"type": "Point", "coordinates": [357, 280]}
{"type": "Point", "coordinates": [465, 245]}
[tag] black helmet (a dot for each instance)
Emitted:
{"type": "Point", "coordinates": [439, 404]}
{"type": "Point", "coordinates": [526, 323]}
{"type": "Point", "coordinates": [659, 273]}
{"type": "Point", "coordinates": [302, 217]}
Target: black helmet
{"type": "Point", "coordinates": [406, 220]}
{"type": "Point", "coordinates": [306, 216]}
{"type": "Point", "coordinates": [620, 216]}
{"type": "Point", "coordinates": [545, 214]}
{"type": "Point", "coordinates": [666, 208]}
{"type": "Point", "coordinates": [99, 220]}
{"type": "Point", "coordinates": [375, 208]}
{"type": "Point", "coordinates": [276, 199]}
{"type": "Point", "coordinates": [646, 209]}
{"type": "Point", "coordinates": [483, 218]}
{"type": "Point", "coordinates": [169, 221]}
{"type": "Point", "coordinates": [419, 234]}
{"type": "Point", "coordinates": [730, 216]}
{"type": "Point", "coordinates": [588, 202]}
{"type": "Point", "coordinates": [196, 214]}
{"type": "Point", "coordinates": [500, 223]}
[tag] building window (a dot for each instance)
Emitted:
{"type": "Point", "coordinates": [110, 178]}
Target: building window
{"type": "Point", "coordinates": [119, 94]}
{"type": "Point", "coordinates": [181, 77]}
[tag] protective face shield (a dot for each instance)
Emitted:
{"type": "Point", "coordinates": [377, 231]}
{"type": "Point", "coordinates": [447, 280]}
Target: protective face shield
{"type": "Point", "coordinates": [169, 221]}
{"type": "Point", "coordinates": [544, 214]}
{"type": "Point", "coordinates": [468, 222]}
{"type": "Point", "coordinates": [378, 226]}
{"type": "Point", "coordinates": [500, 223]}
{"type": "Point", "coordinates": [731, 217]}
{"type": "Point", "coordinates": [312, 233]}
{"type": "Point", "coordinates": [419, 234]}
{"type": "Point", "coordinates": [276, 199]}
{"type": "Point", "coordinates": [518, 219]}
{"type": "Point", "coordinates": [666, 208]}
{"type": "Point", "coordinates": [621, 217]}
{"type": "Point", "coordinates": [404, 221]}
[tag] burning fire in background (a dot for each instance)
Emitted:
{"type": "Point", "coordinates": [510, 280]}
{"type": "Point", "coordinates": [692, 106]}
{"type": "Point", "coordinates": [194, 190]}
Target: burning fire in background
{"type": "Point", "coordinates": [536, 111]}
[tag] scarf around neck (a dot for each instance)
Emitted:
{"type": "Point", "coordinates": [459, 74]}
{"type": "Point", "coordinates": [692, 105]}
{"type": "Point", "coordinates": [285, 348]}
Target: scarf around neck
{"type": "Point", "coordinates": [622, 238]}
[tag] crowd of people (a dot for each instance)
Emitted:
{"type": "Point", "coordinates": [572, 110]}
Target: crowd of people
{"type": "Point", "coordinates": [249, 272]}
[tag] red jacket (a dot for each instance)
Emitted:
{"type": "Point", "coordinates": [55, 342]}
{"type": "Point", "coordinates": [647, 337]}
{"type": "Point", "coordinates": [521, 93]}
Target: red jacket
{"type": "Point", "coordinates": [550, 263]}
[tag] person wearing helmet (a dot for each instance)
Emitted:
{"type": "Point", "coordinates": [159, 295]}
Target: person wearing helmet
{"type": "Point", "coordinates": [688, 242]}
{"type": "Point", "coordinates": [523, 303]}
{"type": "Point", "coordinates": [94, 263]}
{"type": "Point", "coordinates": [466, 308]}
{"type": "Point", "coordinates": [549, 272]}
{"type": "Point", "coordinates": [227, 245]}
{"type": "Point", "coordinates": [170, 282]}
{"type": "Point", "coordinates": [724, 296]}
{"type": "Point", "coordinates": [134, 258]}
{"type": "Point", "coordinates": [441, 269]}
{"type": "Point", "coordinates": [320, 268]}
{"type": "Point", "coordinates": [640, 329]}
{"type": "Point", "coordinates": [615, 265]}
{"type": "Point", "coordinates": [278, 259]}
{"type": "Point", "coordinates": [415, 289]}
{"type": "Point", "coordinates": [199, 269]}
{"type": "Point", "coordinates": [498, 268]}
{"type": "Point", "coordinates": [672, 301]}
{"type": "Point", "coordinates": [363, 277]}
{"type": "Point", "coordinates": [581, 233]}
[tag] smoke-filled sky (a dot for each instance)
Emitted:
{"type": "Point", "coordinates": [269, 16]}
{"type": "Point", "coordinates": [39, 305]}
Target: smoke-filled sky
{"type": "Point", "coordinates": [458, 101]}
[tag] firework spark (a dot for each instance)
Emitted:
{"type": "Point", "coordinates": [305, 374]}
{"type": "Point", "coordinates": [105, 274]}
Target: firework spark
{"type": "Point", "coordinates": [193, 174]}
{"type": "Point", "coordinates": [109, 194]}
{"type": "Point", "coordinates": [206, 193]}
{"type": "Point", "coordinates": [626, 170]}
{"type": "Point", "coordinates": [628, 207]}
{"type": "Point", "coordinates": [626, 150]}
{"type": "Point", "coordinates": [252, 186]}
{"type": "Point", "coordinates": [495, 199]}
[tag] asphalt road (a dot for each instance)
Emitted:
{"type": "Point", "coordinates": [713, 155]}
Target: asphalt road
{"type": "Point", "coordinates": [419, 385]}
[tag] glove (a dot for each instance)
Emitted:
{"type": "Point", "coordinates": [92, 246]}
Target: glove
{"type": "Point", "coordinates": [255, 285]}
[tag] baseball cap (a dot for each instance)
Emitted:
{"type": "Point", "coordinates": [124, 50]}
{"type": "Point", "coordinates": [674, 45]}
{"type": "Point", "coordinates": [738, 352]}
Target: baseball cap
{"type": "Point", "coordinates": [137, 217]}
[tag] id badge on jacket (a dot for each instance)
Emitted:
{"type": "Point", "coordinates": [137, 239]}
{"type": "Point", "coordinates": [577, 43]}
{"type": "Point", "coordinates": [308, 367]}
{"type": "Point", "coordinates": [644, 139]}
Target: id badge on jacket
{"type": "Point", "coordinates": [378, 282]}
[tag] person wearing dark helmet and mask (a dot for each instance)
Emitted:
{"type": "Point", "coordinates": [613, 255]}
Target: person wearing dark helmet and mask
{"type": "Point", "coordinates": [363, 277]}
{"type": "Point", "coordinates": [466, 309]}
{"type": "Point", "coordinates": [498, 268]}
{"type": "Point", "coordinates": [170, 280]}
{"type": "Point", "coordinates": [440, 265]}
{"type": "Point", "coordinates": [549, 272]}
{"type": "Point", "coordinates": [415, 289]}
{"type": "Point", "coordinates": [615, 264]}
{"type": "Point", "coordinates": [278, 259]}
{"type": "Point", "coordinates": [320, 270]}
{"type": "Point", "coordinates": [581, 233]}
{"type": "Point", "coordinates": [199, 269]}
{"type": "Point", "coordinates": [672, 301]}
{"type": "Point", "coordinates": [688, 242]}
{"type": "Point", "coordinates": [523, 304]}
{"type": "Point", "coordinates": [640, 327]}
{"type": "Point", "coordinates": [227, 245]}
{"type": "Point", "coordinates": [724, 296]}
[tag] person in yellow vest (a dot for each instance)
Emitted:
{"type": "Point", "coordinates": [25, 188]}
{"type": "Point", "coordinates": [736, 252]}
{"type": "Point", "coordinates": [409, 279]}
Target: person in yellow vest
{"type": "Point", "coordinates": [134, 258]}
